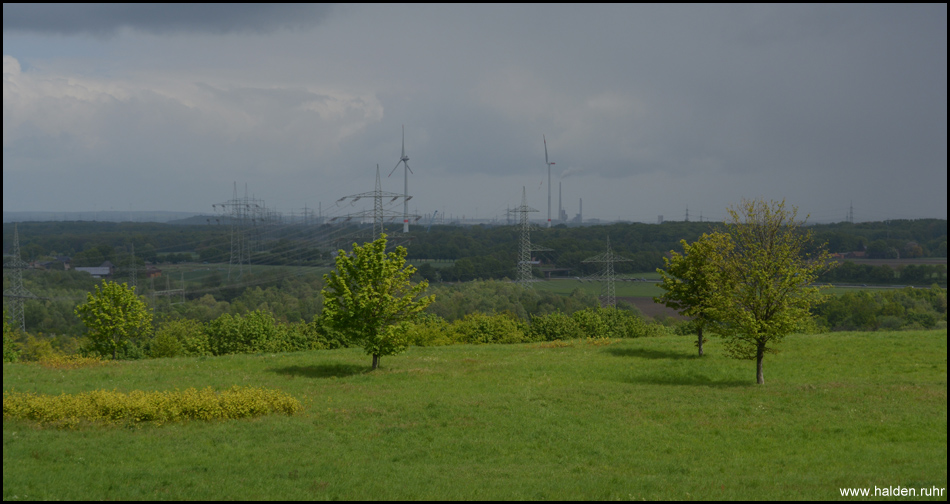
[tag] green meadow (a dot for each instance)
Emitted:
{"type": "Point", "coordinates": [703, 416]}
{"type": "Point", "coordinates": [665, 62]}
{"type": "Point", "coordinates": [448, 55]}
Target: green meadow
{"type": "Point", "coordinates": [632, 419]}
{"type": "Point", "coordinates": [624, 288]}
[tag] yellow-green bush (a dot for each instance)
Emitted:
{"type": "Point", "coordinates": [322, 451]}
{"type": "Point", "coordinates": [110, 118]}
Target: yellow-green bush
{"type": "Point", "coordinates": [479, 328]}
{"type": "Point", "coordinates": [103, 406]}
{"type": "Point", "coordinates": [72, 362]}
{"type": "Point", "coordinates": [431, 330]}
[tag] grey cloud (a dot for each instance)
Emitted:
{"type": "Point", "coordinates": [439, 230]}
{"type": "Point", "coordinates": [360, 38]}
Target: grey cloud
{"type": "Point", "coordinates": [106, 19]}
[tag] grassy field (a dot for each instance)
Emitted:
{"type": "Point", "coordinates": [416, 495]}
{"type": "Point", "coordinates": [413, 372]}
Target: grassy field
{"type": "Point", "coordinates": [196, 273]}
{"type": "Point", "coordinates": [624, 288]}
{"type": "Point", "coordinates": [635, 419]}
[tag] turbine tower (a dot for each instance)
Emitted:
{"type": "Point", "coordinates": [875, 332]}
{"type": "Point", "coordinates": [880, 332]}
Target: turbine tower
{"type": "Point", "coordinates": [549, 177]}
{"type": "Point", "coordinates": [379, 214]}
{"type": "Point", "coordinates": [404, 159]}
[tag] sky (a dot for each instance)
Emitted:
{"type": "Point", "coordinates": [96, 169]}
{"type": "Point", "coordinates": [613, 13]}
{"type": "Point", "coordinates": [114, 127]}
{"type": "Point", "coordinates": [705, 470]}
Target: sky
{"type": "Point", "coordinates": [647, 110]}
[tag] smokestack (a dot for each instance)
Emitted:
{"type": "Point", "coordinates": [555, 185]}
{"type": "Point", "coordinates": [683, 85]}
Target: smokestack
{"type": "Point", "coordinates": [580, 210]}
{"type": "Point", "coordinates": [559, 210]}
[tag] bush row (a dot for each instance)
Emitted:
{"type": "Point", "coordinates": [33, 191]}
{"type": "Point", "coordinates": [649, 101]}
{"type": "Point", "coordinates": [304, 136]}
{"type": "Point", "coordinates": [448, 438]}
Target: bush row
{"type": "Point", "coordinates": [906, 308]}
{"type": "Point", "coordinates": [258, 331]}
{"type": "Point", "coordinates": [102, 406]}
{"type": "Point", "coordinates": [481, 328]}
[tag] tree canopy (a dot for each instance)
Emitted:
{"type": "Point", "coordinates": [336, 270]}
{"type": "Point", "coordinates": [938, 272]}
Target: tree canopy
{"type": "Point", "coordinates": [764, 286]}
{"type": "Point", "coordinates": [368, 297]}
{"type": "Point", "coordinates": [688, 280]}
{"type": "Point", "coordinates": [113, 315]}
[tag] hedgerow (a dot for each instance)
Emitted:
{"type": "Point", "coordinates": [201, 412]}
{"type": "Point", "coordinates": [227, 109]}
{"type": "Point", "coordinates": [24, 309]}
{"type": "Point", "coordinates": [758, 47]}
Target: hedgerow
{"type": "Point", "coordinates": [103, 406]}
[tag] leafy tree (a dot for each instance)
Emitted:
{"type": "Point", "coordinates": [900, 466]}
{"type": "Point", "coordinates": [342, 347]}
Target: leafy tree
{"type": "Point", "coordinates": [369, 298]}
{"type": "Point", "coordinates": [10, 351]}
{"type": "Point", "coordinates": [764, 289]}
{"type": "Point", "coordinates": [113, 316]}
{"type": "Point", "coordinates": [688, 279]}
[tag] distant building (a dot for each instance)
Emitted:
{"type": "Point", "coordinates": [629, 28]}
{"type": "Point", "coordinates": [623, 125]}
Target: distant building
{"type": "Point", "coordinates": [105, 270]}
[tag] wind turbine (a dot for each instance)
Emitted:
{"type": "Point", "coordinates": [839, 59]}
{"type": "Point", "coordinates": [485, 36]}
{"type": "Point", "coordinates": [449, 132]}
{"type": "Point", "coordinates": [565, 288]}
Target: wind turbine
{"type": "Point", "coordinates": [404, 159]}
{"type": "Point", "coordinates": [549, 177]}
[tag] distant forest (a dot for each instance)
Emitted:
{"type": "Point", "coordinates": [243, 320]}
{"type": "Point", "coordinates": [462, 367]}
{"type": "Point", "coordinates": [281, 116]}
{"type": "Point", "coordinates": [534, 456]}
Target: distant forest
{"type": "Point", "coordinates": [466, 252]}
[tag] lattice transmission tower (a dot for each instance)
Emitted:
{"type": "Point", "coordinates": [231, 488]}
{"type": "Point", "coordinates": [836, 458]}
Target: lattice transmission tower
{"type": "Point", "coordinates": [524, 243]}
{"type": "Point", "coordinates": [18, 293]}
{"type": "Point", "coordinates": [379, 214]}
{"type": "Point", "coordinates": [247, 217]}
{"type": "Point", "coordinates": [607, 277]}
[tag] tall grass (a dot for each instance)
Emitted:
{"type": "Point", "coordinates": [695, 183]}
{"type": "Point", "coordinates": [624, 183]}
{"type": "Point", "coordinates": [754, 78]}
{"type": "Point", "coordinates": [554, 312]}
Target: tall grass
{"type": "Point", "coordinates": [641, 419]}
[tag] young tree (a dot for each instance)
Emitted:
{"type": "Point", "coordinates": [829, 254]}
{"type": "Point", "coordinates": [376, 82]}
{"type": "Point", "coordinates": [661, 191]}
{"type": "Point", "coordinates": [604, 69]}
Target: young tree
{"type": "Point", "coordinates": [10, 351]}
{"type": "Point", "coordinates": [688, 280]}
{"type": "Point", "coordinates": [113, 315]}
{"type": "Point", "coordinates": [369, 297]}
{"type": "Point", "coordinates": [767, 270]}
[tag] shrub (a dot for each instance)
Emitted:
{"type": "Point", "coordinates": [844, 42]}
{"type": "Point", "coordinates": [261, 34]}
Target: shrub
{"type": "Point", "coordinates": [11, 351]}
{"type": "Point", "coordinates": [323, 337]}
{"type": "Point", "coordinates": [102, 406]}
{"type": "Point", "coordinates": [37, 349]}
{"type": "Point", "coordinates": [72, 362]}
{"type": "Point", "coordinates": [255, 332]}
{"type": "Point", "coordinates": [479, 328]}
{"type": "Point", "coordinates": [613, 323]}
{"type": "Point", "coordinates": [554, 326]}
{"type": "Point", "coordinates": [183, 337]}
{"type": "Point", "coordinates": [431, 330]}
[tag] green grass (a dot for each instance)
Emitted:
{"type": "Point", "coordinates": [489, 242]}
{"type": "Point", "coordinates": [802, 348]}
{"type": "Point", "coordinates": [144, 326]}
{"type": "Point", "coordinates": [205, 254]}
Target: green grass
{"type": "Point", "coordinates": [636, 419]}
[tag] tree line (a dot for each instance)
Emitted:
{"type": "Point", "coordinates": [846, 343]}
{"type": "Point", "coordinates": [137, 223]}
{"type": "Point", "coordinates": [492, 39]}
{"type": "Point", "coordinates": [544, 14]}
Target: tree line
{"type": "Point", "coordinates": [479, 252]}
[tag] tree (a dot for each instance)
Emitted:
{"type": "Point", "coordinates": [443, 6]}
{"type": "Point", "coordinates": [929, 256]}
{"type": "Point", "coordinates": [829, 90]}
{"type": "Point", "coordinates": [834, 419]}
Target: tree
{"type": "Point", "coordinates": [113, 315]}
{"type": "Point", "coordinates": [688, 280]}
{"type": "Point", "coordinates": [369, 298]}
{"type": "Point", "coordinates": [764, 288]}
{"type": "Point", "coordinates": [10, 333]}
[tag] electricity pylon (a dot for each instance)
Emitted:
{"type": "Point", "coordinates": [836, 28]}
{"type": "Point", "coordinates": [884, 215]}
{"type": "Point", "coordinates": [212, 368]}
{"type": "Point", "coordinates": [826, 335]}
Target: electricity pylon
{"type": "Point", "coordinates": [524, 244]}
{"type": "Point", "coordinates": [608, 292]}
{"type": "Point", "coordinates": [18, 293]}
{"type": "Point", "coordinates": [379, 214]}
{"type": "Point", "coordinates": [242, 214]}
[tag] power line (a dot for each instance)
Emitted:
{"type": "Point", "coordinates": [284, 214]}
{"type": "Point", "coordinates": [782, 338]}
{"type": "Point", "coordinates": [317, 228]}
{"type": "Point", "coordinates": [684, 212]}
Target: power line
{"type": "Point", "coordinates": [524, 243]}
{"type": "Point", "coordinates": [608, 292]}
{"type": "Point", "coordinates": [18, 293]}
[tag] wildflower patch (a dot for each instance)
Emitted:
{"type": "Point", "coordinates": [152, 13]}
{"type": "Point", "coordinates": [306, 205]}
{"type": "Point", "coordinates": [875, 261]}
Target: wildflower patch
{"type": "Point", "coordinates": [72, 362]}
{"type": "Point", "coordinates": [103, 406]}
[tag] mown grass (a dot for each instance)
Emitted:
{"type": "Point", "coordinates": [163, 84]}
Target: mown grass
{"type": "Point", "coordinates": [634, 419]}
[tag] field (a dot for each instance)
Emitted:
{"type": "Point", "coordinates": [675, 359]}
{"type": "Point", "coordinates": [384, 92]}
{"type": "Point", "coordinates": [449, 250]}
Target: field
{"type": "Point", "coordinates": [625, 288]}
{"type": "Point", "coordinates": [635, 419]}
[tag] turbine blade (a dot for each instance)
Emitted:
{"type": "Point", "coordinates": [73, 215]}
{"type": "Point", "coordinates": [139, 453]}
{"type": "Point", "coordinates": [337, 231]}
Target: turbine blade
{"type": "Point", "coordinates": [410, 169]}
{"type": "Point", "coordinates": [403, 140]}
{"type": "Point", "coordinates": [545, 150]}
{"type": "Point", "coordinates": [394, 168]}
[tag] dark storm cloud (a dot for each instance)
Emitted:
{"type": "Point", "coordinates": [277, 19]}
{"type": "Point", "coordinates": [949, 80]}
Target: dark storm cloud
{"type": "Point", "coordinates": [106, 19]}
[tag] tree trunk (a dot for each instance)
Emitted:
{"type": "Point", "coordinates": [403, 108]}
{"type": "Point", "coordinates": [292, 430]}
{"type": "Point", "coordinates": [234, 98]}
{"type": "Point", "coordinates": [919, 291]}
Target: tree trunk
{"type": "Point", "coordinates": [699, 342]}
{"type": "Point", "coordinates": [375, 361]}
{"type": "Point", "coordinates": [759, 376]}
